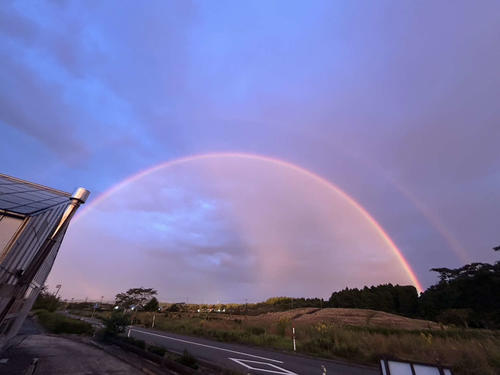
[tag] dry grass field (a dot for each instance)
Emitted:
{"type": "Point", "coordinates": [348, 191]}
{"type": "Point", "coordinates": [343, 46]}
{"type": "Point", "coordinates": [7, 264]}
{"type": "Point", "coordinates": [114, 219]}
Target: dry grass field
{"type": "Point", "coordinates": [356, 335]}
{"type": "Point", "coordinates": [352, 317]}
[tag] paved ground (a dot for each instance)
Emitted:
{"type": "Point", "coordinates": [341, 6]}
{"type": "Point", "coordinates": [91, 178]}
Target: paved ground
{"type": "Point", "coordinates": [248, 360]}
{"type": "Point", "coordinates": [58, 355]}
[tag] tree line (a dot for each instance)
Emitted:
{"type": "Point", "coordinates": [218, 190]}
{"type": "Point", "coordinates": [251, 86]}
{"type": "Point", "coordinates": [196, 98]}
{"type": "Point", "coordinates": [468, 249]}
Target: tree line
{"type": "Point", "coordinates": [467, 296]}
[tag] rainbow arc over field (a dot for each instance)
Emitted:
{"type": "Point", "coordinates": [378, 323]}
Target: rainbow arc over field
{"type": "Point", "coordinates": [278, 162]}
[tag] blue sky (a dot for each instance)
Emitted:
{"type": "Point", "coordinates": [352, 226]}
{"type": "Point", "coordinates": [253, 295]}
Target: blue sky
{"type": "Point", "coordinates": [388, 100]}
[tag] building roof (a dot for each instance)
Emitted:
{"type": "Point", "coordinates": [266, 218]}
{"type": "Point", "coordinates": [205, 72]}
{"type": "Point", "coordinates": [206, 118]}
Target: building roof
{"type": "Point", "coordinates": [27, 198]}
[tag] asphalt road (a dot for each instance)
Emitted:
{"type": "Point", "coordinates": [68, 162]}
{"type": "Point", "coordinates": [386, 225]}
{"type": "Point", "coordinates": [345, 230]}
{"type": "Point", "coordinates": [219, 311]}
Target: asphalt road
{"type": "Point", "coordinates": [248, 360]}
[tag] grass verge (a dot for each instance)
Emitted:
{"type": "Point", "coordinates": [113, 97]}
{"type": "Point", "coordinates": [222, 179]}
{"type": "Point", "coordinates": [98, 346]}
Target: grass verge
{"type": "Point", "coordinates": [57, 323]}
{"type": "Point", "coordinates": [467, 351]}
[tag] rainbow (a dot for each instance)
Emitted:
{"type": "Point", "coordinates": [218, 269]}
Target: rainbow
{"type": "Point", "coordinates": [376, 226]}
{"type": "Point", "coordinates": [437, 224]}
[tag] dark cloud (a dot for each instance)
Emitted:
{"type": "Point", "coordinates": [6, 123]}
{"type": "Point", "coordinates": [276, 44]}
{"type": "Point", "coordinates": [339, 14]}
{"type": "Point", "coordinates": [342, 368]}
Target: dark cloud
{"type": "Point", "coordinates": [35, 107]}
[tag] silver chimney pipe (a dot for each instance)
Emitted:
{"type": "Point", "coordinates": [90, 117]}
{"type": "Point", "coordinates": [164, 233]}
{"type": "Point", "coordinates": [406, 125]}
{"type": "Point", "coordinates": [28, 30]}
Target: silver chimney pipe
{"type": "Point", "coordinates": [78, 197]}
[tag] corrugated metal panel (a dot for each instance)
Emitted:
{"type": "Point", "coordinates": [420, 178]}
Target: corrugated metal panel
{"type": "Point", "coordinates": [36, 231]}
{"type": "Point", "coordinates": [41, 208]}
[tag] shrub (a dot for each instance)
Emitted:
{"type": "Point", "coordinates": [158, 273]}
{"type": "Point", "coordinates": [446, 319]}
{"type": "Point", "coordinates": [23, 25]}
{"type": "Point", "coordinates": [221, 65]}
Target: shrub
{"type": "Point", "coordinates": [256, 330]}
{"type": "Point", "coordinates": [157, 350]}
{"type": "Point", "coordinates": [174, 308]}
{"type": "Point", "coordinates": [282, 326]}
{"type": "Point", "coordinates": [188, 360]}
{"type": "Point", "coordinates": [46, 301]}
{"type": "Point", "coordinates": [116, 323]}
{"type": "Point", "coordinates": [139, 343]}
{"type": "Point", "coordinates": [457, 317]}
{"type": "Point", "coordinates": [57, 323]}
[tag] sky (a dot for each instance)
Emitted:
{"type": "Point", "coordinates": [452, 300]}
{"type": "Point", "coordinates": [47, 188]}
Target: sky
{"type": "Point", "coordinates": [393, 102]}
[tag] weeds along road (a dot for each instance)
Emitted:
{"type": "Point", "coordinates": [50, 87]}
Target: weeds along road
{"type": "Point", "coordinates": [248, 360]}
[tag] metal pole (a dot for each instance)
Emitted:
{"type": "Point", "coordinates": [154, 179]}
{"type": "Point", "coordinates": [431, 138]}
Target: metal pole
{"type": "Point", "coordinates": [58, 286]}
{"type": "Point", "coordinates": [294, 346]}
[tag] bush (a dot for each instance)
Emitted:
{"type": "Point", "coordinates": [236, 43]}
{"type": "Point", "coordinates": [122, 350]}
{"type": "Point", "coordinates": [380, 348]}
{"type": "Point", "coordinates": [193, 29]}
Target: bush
{"type": "Point", "coordinates": [282, 326]}
{"type": "Point", "coordinates": [256, 330]}
{"type": "Point", "coordinates": [57, 323]}
{"type": "Point", "coordinates": [139, 343]}
{"type": "Point", "coordinates": [157, 350]}
{"type": "Point", "coordinates": [174, 308]}
{"type": "Point", "coordinates": [457, 317]}
{"type": "Point", "coordinates": [188, 360]}
{"type": "Point", "coordinates": [46, 301]}
{"type": "Point", "coordinates": [116, 323]}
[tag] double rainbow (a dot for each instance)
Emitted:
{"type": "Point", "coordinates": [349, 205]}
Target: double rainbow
{"type": "Point", "coordinates": [320, 180]}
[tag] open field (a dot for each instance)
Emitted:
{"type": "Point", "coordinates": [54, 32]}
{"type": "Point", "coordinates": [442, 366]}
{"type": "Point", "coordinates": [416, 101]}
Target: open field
{"type": "Point", "coordinates": [356, 335]}
{"type": "Point", "coordinates": [354, 317]}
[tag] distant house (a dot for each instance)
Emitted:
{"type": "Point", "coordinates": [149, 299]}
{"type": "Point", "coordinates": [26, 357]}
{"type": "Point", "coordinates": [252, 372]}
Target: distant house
{"type": "Point", "coordinates": [33, 221]}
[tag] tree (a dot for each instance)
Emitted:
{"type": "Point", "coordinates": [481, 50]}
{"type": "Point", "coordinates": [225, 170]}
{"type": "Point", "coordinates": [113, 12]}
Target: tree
{"type": "Point", "coordinates": [468, 294]}
{"type": "Point", "coordinates": [135, 297]}
{"type": "Point", "coordinates": [387, 297]}
{"type": "Point", "coordinates": [152, 305]}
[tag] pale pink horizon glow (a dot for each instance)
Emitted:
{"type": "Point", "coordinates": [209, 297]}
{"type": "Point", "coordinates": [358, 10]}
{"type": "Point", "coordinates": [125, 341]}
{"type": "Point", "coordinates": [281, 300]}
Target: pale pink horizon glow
{"type": "Point", "coordinates": [224, 229]}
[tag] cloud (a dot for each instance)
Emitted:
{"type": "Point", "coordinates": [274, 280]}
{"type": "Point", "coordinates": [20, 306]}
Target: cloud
{"type": "Point", "coordinates": [302, 240]}
{"type": "Point", "coordinates": [368, 96]}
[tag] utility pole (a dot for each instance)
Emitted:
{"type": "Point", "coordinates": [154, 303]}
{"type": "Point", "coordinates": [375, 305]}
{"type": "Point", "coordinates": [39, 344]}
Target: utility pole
{"type": "Point", "coordinates": [93, 311]}
{"type": "Point", "coordinates": [95, 307]}
{"type": "Point", "coordinates": [58, 286]}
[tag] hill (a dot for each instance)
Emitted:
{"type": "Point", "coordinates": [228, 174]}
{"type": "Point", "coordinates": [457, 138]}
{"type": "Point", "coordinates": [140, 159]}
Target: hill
{"type": "Point", "coordinates": [341, 316]}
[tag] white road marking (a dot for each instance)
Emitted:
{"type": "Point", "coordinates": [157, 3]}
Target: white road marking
{"type": "Point", "coordinates": [208, 346]}
{"type": "Point", "coordinates": [281, 370]}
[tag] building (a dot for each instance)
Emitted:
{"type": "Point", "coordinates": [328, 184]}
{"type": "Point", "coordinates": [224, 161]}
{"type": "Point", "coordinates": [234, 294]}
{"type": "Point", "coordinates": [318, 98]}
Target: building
{"type": "Point", "coordinates": [33, 221]}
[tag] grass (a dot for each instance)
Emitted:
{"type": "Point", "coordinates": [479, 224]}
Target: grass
{"type": "Point", "coordinates": [188, 360]}
{"type": "Point", "coordinates": [467, 351]}
{"type": "Point", "coordinates": [361, 336]}
{"type": "Point", "coordinates": [57, 323]}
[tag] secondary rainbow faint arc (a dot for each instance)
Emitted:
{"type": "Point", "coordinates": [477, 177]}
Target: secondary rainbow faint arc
{"type": "Point", "coordinates": [378, 228]}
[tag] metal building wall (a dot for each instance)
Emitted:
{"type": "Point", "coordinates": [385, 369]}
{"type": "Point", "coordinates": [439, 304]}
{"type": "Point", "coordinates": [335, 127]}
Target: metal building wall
{"type": "Point", "coordinates": [34, 232]}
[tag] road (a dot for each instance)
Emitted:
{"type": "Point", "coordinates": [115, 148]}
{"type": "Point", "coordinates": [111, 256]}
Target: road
{"type": "Point", "coordinates": [248, 360]}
